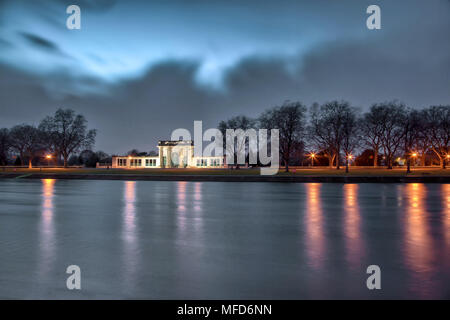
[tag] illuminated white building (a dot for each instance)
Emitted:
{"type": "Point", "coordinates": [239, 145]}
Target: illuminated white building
{"type": "Point", "coordinates": [171, 154]}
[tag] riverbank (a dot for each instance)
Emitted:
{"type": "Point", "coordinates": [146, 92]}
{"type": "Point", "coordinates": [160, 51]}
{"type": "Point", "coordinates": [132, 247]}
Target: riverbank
{"type": "Point", "coordinates": [356, 175]}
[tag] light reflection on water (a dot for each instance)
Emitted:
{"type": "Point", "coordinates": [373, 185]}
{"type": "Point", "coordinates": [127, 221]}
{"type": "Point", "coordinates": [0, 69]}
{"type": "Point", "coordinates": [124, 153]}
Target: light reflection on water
{"type": "Point", "coordinates": [194, 239]}
{"type": "Point", "coordinates": [446, 213]}
{"type": "Point", "coordinates": [418, 243]}
{"type": "Point", "coordinates": [46, 227]}
{"type": "Point", "coordinates": [315, 239]}
{"type": "Point", "coordinates": [189, 211]}
{"type": "Point", "coordinates": [352, 225]}
{"type": "Point", "coordinates": [129, 234]}
{"type": "Point", "coordinates": [181, 206]}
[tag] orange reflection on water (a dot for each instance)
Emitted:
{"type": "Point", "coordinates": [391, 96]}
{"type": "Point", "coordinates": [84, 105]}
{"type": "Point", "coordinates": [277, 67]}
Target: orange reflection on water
{"type": "Point", "coordinates": [129, 235]}
{"type": "Point", "coordinates": [181, 195]}
{"type": "Point", "coordinates": [315, 240]}
{"type": "Point", "coordinates": [352, 225]}
{"type": "Point", "coordinates": [446, 213]}
{"type": "Point", "coordinates": [47, 198]}
{"type": "Point", "coordinates": [189, 209]}
{"type": "Point", "coordinates": [418, 243]}
{"type": "Point", "coordinates": [46, 227]}
{"type": "Point", "coordinates": [197, 196]}
{"type": "Point", "coordinates": [130, 210]}
{"type": "Point", "coordinates": [181, 205]}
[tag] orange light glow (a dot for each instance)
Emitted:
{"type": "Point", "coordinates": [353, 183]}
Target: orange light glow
{"type": "Point", "coordinates": [446, 215]}
{"type": "Point", "coordinates": [352, 226]}
{"type": "Point", "coordinates": [47, 243]}
{"type": "Point", "coordinates": [418, 243]}
{"type": "Point", "coordinates": [350, 157]}
{"type": "Point", "coordinates": [49, 156]}
{"type": "Point", "coordinates": [315, 238]}
{"type": "Point", "coordinates": [130, 245]}
{"type": "Point", "coordinates": [414, 154]}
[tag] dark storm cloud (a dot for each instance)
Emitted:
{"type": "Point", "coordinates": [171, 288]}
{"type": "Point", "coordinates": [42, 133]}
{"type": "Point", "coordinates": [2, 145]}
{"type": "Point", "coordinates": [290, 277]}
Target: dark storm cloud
{"type": "Point", "coordinates": [410, 62]}
{"type": "Point", "coordinates": [43, 44]}
{"type": "Point", "coordinates": [40, 42]}
{"type": "Point", "coordinates": [136, 113]}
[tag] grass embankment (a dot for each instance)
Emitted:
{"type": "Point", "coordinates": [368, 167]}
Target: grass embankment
{"type": "Point", "coordinates": [305, 171]}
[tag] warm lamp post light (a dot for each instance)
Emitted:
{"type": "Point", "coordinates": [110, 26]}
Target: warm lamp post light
{"type": "Point", "coordinates": [312, 155]}
{"type": "Point", "coordinates": [349, 158]}
{"type": "Point", "coordinates": [408, 163]}
{"type": "Point", "coordinates": [49, 156]}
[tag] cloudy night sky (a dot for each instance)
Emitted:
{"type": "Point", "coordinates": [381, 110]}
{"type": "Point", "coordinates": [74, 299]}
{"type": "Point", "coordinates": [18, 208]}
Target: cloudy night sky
{"type": "Point", "coordinates": [140, 69]}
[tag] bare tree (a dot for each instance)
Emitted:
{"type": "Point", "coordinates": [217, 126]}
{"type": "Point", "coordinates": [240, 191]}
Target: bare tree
{"type": "Point", "coordinates": [26, 140]}
{"type": "Point", "coordinates": [320, 135]}
{"type": "Point", "coordinates": [422, 142]}
{"type": "Point", "coordinates": [438, 131]}
{"type": "Point", "coordinates": [5, 145]}
{"type": "Point", "coordinates": [136, 152]}
{"type": "Point", "coordinates": [372, 129]}
{"type": "Point", "coordinates": [68, 132]}
{"type": "Point", "coordinates": [350, 133]}
{"type": "Point", "coordinates": [290, 120]}
{"type": "Point", "coordinates": [327, 127]}
{"type": "Point", "coordinates": [412, 126]}
{"type": "Point", "coordinates": [50, 138]}
{"type": "Point", "coordinates": [240, 145]}
{"type": "Point", "coordinates": [391, 115]}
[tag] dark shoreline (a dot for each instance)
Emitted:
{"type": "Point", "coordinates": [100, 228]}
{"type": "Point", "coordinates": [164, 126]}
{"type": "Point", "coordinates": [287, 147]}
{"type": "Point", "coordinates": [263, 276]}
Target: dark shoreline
{"type": "Point", "coordinates": [232, 178]}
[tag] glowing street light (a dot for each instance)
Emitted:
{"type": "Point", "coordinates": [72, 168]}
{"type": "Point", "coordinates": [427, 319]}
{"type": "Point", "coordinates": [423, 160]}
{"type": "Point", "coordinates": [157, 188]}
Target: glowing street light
{"type": "Point", "coordinates": [312, 155]}
{"type": "Point", "coordinates": [349, 158]}
{"type": "Point", "coordinates": [48, 156]}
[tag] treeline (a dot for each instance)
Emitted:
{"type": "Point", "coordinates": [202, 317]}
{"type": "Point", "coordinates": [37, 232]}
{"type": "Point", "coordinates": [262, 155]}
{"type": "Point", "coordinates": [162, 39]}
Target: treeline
{"type": "Point", "coordinates": [339, 131]}
{"type": "Point", "coordinates": [57, 137]}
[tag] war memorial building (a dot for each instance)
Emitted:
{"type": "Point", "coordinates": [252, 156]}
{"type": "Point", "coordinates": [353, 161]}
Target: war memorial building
{"type": "Point", "coordinates": [171, 154]}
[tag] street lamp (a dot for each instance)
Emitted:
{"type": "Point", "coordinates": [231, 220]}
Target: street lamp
{"type": "Point", "coordinates": [414, 155]}
{"type": "Point", "coordinates": [349, 158]}
{"type": "Point", "coordinates": [312, 155]}
{"type": "Point", "coordinates": [49, 156]}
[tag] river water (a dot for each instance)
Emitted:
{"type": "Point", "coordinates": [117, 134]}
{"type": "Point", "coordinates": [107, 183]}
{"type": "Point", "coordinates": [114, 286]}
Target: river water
{"type": "Point", "coordinates": [223, 240]}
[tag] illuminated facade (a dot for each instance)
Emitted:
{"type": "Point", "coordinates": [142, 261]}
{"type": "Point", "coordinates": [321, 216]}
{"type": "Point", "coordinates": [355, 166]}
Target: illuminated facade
{"type": "Point", "coordinates": [171, 154]}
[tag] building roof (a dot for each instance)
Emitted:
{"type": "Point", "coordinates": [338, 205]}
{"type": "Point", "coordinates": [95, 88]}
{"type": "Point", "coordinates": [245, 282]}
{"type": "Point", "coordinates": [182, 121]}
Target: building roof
{"type": "Point", "coordinates": [172, 143]}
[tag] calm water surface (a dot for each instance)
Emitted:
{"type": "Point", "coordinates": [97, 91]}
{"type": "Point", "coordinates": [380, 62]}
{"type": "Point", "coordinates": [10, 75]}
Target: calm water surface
{"type": "Point", "coordinates": [213, 240]}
